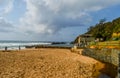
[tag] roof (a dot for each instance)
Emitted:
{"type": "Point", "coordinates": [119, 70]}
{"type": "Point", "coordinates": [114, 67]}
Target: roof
{"type": "Point", "coordinates": [85, 35]}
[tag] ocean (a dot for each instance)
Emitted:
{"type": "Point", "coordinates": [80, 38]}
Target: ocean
{"type": "Point", "coordinates": [15, 44]}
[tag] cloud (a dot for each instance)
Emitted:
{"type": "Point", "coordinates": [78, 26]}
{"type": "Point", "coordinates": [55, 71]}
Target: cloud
{"type": "Point", "coordinates": [42, 17]}
{"type": "Point", "coordinates": [6, 26]}
{"type": "Point", "coordinates": [46, 19]}
{"type": "Point", "coordinates": [6, 6]}
{"type": "Point", "coordinates": [50, 16]}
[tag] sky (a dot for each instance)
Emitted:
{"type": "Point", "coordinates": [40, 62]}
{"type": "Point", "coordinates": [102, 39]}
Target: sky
{"type": "Point", "coordinates": [52, 20]}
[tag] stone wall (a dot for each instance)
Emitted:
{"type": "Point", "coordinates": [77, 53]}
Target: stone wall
{"type": "Point", "coordinates": [108, 56]}
{"type": "Point", "coordinates": [104, 55]}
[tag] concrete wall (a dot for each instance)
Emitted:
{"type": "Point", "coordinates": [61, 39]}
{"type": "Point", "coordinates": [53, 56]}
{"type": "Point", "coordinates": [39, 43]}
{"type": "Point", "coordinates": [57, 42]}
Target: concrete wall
{"type": "Point", "coordinates": [104, 55]}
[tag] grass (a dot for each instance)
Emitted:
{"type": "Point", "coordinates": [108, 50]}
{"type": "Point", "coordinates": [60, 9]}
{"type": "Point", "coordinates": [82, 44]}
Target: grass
{"type": "Point", "coordinates": [106, 44]}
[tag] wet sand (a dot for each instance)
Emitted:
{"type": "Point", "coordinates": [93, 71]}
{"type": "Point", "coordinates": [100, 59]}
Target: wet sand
{"type": "Point", "coordinates": [47, 63]}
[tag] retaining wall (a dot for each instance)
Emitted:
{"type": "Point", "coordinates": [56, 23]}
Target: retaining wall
{"type": "Point", "coordinates": [104, 55]}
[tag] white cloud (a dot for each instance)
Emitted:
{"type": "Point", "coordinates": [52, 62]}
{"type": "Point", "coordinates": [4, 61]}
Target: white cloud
{"type": "Point", "coordinates": [6, 6]}
{"type": "Point", "coordinates": [50, 16]}
{"type": "Point", "coordinates": [47, 17]}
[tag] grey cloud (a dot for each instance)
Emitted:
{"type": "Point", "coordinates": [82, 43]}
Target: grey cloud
{"type": "Point", "coordinates": [5, 26]}
{"type": "Point", "coordinates": [50, 16]}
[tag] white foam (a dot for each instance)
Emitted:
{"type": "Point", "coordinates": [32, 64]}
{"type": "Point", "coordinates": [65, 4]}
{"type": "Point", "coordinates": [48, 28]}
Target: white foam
{"type": "Point", "coordinates": [15, 45]}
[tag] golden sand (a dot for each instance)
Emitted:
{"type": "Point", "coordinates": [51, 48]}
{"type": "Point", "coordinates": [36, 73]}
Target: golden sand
{"type": "Point", "coordinates": [46, 63]}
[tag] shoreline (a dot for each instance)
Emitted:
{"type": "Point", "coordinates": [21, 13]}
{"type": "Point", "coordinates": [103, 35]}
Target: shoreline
{"type": "Point", "coordinates": [20, 47]}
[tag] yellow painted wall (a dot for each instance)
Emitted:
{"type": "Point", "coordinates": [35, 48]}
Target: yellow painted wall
{"type": "Point", "coordinates": [116, 35]}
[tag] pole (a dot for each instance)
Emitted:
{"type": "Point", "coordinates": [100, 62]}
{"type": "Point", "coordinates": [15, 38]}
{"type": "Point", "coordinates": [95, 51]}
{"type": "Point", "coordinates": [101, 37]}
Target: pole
{"type": "Point", "coordinates": [78, 41]}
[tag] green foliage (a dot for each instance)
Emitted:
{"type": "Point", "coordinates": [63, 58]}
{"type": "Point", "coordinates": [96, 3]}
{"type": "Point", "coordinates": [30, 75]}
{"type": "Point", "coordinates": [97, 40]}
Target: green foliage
{"type": "Point", "coordinates": [105, 29]}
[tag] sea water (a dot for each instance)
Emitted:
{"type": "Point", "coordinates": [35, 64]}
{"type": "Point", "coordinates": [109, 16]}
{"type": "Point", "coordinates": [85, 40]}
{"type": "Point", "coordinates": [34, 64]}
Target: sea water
{"type": "Point", "coordinates": [15, 44]}
{"type": "Point", "coordinates": [11, 45]}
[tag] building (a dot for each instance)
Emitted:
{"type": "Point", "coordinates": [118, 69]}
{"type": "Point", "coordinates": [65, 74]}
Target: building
{"type": "Point", "coordinates": [116, 34]}
{"type": "Point", "coordinates": [84, 40]}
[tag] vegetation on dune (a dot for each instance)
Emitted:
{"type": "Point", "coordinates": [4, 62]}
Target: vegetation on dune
{"type": "Point", "coordinates": [106, 30]}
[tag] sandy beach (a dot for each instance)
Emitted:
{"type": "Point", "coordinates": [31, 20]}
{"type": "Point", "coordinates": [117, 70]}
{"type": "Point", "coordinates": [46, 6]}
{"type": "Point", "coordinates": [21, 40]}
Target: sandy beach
{"type": "Point", "coordinates": [47, 63]}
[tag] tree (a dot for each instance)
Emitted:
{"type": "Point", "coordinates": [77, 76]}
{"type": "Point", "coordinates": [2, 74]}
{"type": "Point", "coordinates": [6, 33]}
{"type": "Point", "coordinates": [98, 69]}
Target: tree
{"type": "Point", "coordinates": [105, 29]}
